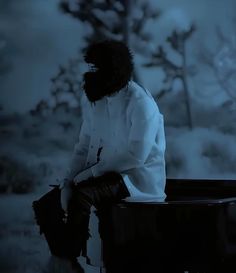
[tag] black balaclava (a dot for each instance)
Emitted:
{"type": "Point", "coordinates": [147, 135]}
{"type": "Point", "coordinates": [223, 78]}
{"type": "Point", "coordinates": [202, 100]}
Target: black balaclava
{"type": "Point", "coordinates": [113, 67]}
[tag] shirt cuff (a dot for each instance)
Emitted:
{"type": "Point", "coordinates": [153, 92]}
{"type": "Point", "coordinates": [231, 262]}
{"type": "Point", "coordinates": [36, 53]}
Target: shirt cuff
{"type": "Point", "coordinates": [84, 175]}
{"type": "Point", "coordinates": [96, 170]}
{"type": "Point", "coordinates": [127, 182]}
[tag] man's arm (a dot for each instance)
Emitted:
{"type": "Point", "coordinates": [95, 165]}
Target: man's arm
{"type": "Point", "coordinates": [79, 156]}
{"type": "Point", "coordinates": [146, 124]}
{"type": "Point", "coordinates": [141, 139]}
{"type": "Point", "coordinates": [77, 161]}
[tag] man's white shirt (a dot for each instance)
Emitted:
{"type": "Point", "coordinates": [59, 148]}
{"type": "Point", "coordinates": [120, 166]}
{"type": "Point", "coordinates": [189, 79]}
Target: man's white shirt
{"type": "Point", "coordinates": [130, 130]}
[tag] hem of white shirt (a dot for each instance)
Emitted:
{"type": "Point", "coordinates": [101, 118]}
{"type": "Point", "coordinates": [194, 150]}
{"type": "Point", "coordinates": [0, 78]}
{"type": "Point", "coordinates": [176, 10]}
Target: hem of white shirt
{"type": "Point", "coordinates": [138, 196]}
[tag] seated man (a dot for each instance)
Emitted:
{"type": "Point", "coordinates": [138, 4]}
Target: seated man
{"type": "Point", "coordinates": [121, 145]}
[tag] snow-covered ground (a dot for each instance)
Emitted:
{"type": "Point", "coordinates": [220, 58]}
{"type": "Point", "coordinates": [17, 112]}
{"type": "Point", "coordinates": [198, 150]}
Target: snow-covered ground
{"type": "Point", "coordinates": [22, 249]}
{"type": "Point", "coordinates": [44, 149]}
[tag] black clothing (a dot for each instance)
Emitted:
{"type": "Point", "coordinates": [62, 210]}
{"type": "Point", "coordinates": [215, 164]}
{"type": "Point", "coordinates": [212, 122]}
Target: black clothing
{"type": "Point", "coordinates": [69, 239]}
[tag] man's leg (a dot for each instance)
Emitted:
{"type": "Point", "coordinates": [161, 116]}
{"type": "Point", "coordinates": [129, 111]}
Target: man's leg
{"type": "Point", "coordinates": [97, 192]}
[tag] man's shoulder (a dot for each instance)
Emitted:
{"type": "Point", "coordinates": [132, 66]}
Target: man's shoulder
{"type": "Point", "coordinates": [139, 95]}
{"type": "Point", "coordinates": [135, 91]}
{"type": "Point", "coordinates": [85, 106]}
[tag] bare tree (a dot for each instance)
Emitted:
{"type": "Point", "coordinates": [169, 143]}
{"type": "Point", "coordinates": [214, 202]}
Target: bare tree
{"type": "Point", "coordinates": [222, 62]}
{"type": "Point", "coordinates": [112, 19]}
{"type": "Point", "coordinates": [41, 109]}
{"type": "Point", "coordinates": [159, 58]}
{"type": "Point", "coordinates": [67, 81]}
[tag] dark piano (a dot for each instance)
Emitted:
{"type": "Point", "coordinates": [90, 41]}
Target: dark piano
{"type": "Point", "coordinates": [193, 231]}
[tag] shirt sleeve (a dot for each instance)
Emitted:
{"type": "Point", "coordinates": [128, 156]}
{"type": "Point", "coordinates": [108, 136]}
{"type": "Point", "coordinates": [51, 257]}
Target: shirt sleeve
{"type": "Point", "coordinates": [145, 120]}
{"type": "Point", "coordinates": [80, 152]}
{"type": "Point", "coordinates": [79, 156]}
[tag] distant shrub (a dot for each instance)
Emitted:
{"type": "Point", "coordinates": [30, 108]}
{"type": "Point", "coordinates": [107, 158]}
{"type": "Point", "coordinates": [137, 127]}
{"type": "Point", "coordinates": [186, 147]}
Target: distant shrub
{"type": "Point", "coordinates": [15, 176]}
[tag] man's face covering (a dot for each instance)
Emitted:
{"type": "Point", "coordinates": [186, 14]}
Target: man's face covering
{"type": "Point", "coordinates": [110, 71]}
{"type": "Point", "coordinates": [96, 85]}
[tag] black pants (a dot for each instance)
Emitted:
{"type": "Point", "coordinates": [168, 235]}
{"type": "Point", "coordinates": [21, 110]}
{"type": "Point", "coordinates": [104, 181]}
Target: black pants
{"type": "Point", "coordinates": [99, 192]}
{"type": "Point", "coordinates": [68, 239]}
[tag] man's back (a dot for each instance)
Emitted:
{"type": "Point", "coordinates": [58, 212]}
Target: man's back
{"type": "Point", "coordinates": [129, 128]}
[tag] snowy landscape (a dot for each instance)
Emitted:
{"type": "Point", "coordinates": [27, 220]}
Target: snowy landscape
{"type": "Point", "coordinates": [184, 57]}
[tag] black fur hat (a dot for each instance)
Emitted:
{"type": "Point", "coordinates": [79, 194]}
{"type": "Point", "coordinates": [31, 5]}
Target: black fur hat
{"type": "Point", "coordinates": [114, 66]}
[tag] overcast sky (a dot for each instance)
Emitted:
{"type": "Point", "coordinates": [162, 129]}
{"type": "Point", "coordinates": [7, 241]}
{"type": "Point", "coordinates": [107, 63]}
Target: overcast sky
{"type": "Point", "coordinates": [35, 38]}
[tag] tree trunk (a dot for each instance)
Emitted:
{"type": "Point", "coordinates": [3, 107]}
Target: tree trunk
{"type": "Point", "coordinates": [186, 90]}
{"type": "Point", "coordinates": [127, 32]}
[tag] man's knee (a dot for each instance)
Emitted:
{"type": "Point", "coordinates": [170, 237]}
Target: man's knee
{"type": "Point", "coordinates": [111, 176]}
{"type": "Point", "coordinates": [81, 198]}
{"type": "Point", "coordinates": [94, 190]}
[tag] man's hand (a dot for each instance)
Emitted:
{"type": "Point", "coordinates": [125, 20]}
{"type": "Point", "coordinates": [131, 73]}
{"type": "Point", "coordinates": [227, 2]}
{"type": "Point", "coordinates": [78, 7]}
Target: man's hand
{"type": "Point", "coordinates": [66, 192]}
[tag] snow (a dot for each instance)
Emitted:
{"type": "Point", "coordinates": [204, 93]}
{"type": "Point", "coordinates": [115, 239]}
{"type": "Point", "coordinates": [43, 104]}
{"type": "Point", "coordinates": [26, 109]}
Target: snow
{"type": "Point", "coordinates": [22, 249]}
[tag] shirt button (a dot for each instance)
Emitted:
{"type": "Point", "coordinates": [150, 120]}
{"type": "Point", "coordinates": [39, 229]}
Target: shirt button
{"type": "Point", "coordinates": [91, 146]}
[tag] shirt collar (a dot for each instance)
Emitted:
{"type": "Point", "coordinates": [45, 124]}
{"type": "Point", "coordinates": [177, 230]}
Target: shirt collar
{"type": "Point", "coordinates": [117, 95]}
{"type": "Point", "coordinates": [114, 97]}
